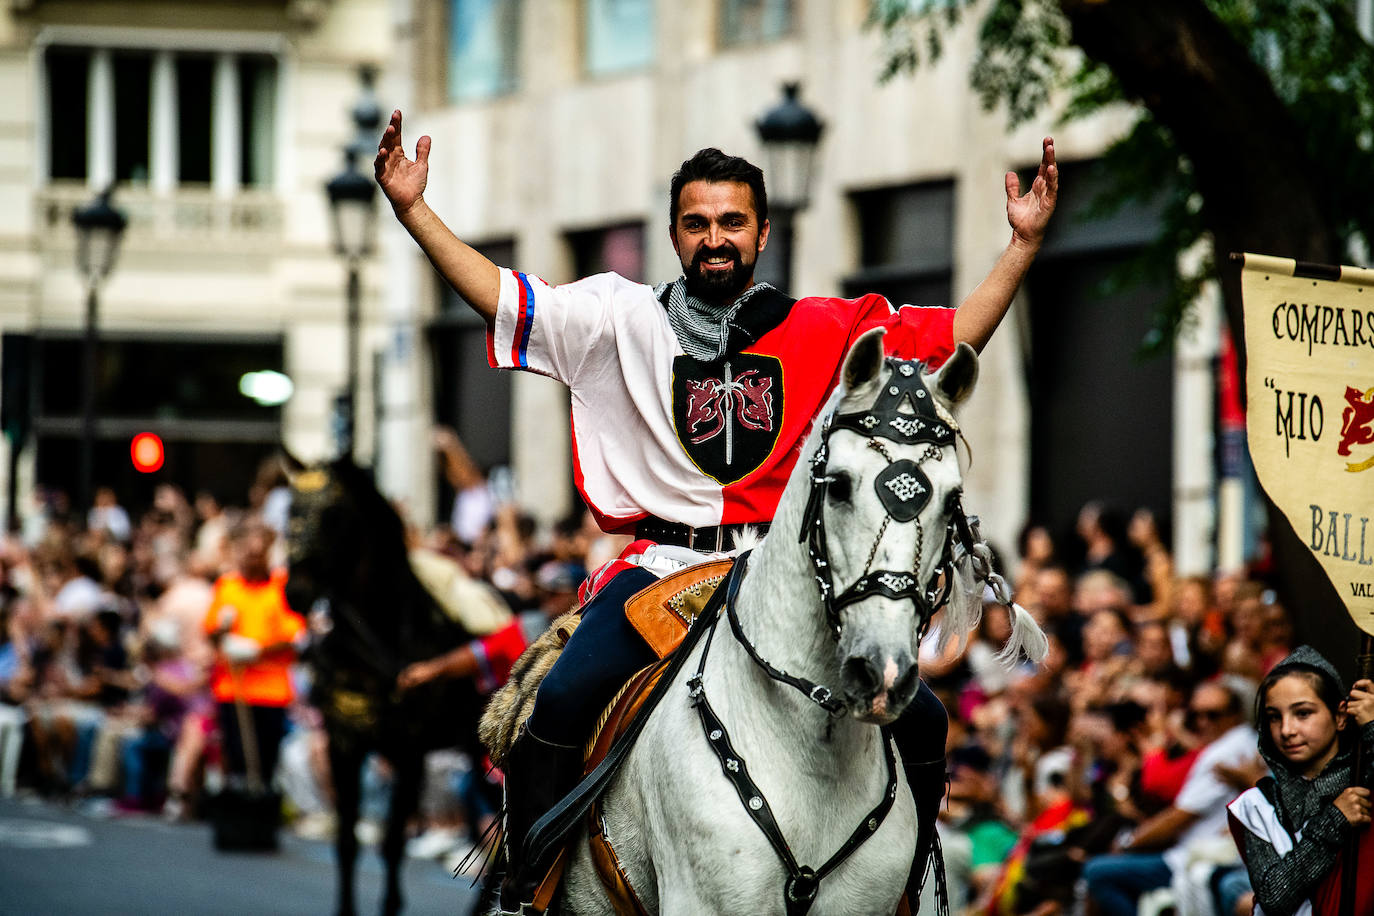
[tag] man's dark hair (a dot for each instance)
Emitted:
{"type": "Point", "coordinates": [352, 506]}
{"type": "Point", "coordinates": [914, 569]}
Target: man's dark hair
{"type": "Point", "coordinates": [1125, 715]}
{"type": "Point", "coordinates": [711, 164]}
{"type": "Point", "coordinates": [1056, 714]}
{"type": "Point", "coordinates": [1234, 704]}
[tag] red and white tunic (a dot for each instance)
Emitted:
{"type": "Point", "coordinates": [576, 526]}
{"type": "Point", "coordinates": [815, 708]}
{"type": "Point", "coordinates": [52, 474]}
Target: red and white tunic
{"type": "Point", "coordinates": [658, 433]}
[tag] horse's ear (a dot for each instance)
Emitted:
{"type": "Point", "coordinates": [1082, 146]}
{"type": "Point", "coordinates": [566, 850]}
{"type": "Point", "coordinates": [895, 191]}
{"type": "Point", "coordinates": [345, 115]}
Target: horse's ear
{"type": "Point", "coordinates": [863, 366]}
{"type": "Point", "coordinates": [955, 379]}
{"type": "Point", "coordinates": [290, 464]}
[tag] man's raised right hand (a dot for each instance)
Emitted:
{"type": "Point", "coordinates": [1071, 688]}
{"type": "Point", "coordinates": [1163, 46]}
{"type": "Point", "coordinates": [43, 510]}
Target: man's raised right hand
{"type": "Point", "coordinates": [402, 180]}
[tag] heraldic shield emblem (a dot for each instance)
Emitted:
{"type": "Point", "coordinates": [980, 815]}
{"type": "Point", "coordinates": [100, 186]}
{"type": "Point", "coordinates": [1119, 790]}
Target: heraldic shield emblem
{"type": "Point", "coordinates": [1309, 337]}
{"type": "Point", "coordinates": [728, 412]}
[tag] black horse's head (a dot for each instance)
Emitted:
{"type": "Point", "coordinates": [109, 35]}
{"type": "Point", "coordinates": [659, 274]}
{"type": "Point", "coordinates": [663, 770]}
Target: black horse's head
{"type": "Point", "coordinates": [342, 535]}
{"type": "Point", "coordinates": [347, 544]}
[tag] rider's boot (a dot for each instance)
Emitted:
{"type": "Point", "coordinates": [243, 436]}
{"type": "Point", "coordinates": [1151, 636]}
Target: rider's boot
{"type": "Point", "coordinates": [538, 775]}
{"type": "Point", "coordinates": [920, 733]}
{"type": "Point", "coordinates": [927, 781]}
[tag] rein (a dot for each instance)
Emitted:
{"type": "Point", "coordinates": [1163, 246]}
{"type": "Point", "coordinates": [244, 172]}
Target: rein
{"type": "Point", "coordinates": [803, 882]}
{"type": "Point", "coordinates": [819, 694]}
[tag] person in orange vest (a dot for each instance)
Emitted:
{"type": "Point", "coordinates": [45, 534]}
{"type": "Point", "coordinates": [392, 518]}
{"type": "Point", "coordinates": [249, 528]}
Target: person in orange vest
{"type": "Point", "coordinates": [255, 634]}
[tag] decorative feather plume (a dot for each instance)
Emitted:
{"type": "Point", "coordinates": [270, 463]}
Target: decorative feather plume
{"type": "Point", "coordinates": [1026, 635]}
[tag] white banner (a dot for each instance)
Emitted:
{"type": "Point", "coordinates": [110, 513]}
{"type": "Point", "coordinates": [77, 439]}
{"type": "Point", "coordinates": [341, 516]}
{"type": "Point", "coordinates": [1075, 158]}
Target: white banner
{"type": "Point", "coordinates": [1309, 343]}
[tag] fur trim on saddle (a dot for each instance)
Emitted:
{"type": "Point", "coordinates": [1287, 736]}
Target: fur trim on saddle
{"type": "Point", "coordinates": [514, 701]}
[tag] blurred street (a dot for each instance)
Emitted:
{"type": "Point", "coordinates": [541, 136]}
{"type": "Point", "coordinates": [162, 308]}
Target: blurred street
{"type": "Point", "coordinates": [55, 860]}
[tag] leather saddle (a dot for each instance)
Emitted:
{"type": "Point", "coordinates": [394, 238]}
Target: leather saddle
{"type": "Point", "coordinates": [662, 614]}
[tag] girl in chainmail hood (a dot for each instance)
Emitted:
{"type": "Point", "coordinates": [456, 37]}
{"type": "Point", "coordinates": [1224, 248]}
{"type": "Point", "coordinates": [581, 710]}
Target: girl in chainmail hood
{"type": "Point", "coordinates": [1293, 826]}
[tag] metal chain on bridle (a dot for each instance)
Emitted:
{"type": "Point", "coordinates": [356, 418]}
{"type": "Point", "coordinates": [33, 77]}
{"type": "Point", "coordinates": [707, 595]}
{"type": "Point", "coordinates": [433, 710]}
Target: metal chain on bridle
{"type": "Point", "coordinates": [902, 487]}
{"type": "Point", "coordinates": [904, 490]}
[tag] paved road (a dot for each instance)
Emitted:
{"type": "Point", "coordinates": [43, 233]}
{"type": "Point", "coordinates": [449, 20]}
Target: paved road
{"type": "Point", "coordinates": [54, 860]}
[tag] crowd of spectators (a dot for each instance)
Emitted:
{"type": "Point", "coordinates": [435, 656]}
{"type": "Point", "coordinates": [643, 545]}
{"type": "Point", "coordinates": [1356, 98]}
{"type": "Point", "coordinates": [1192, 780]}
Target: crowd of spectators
{"type": "Point", "coordinates": [1087, 784]}
{"type": "Point", "coordinates": [1097, 783]}
{"type": "Point", "coordinates": [121, 634]}
{"type": "Point", "coordinates": [105, 659]}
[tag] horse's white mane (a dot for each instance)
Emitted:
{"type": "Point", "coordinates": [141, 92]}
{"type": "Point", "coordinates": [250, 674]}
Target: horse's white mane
{"type": "Point", "coordinates": [747, 538]}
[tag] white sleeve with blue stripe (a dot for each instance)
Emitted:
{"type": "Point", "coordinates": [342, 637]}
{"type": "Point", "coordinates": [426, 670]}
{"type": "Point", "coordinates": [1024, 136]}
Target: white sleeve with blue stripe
{"type": "Point", "coordinates": [550, 329]}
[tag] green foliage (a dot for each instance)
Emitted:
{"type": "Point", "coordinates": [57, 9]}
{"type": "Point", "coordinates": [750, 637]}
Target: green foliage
{"type": "Point", "coordinates": [1020, 57]}
{"type": "Point", "coordinates": [908, 26]}
{"type": "Point", "coordinates": [1323, 71]}
{"type": "Point", "coordinates": [1320, 67]}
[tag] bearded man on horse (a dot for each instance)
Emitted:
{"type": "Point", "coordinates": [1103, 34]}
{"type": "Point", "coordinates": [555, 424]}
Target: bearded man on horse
{"type": "Point", "coordinates": [690, 401]}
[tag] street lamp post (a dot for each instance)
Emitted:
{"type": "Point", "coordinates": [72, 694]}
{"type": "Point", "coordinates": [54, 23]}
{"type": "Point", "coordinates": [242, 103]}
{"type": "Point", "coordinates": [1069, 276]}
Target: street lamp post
{"type": "Point", "coordinates": [790, 133]}
{"type": "Point", "coordinates": [99, 228]}
{"type": "Point", "coordinates": [351, 194]}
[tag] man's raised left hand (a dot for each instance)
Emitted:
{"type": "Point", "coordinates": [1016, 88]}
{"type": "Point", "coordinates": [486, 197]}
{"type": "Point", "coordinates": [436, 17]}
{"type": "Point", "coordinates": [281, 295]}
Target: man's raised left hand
{"type": "Point", "coordinates": [1029, 213]}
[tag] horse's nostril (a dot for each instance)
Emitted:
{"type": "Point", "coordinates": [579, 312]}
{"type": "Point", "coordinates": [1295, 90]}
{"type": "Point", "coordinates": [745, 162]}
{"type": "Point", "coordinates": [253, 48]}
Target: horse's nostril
{"type": "Point", "coordinates": [861, 677]}
{"type": "Point", "coordinates": [907, 684]}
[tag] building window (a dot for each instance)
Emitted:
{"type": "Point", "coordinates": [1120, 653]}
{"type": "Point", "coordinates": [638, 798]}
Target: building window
{"type": "Point", "coordinates": [195, 83]}
{"type": "Point", "coordinates": [132, 85]}
{"type": "Point", "coordinates": [744, 22]}
{"type": "Point", "coordinates": [616, 248]}
{"type": "Point", "coordinates": [484, 48]}
{"type": "Point", "coordinates": [906, 244]}
{"type": "Point", "coordinates": [619, 35]}
{"type": "Point", "coordinates": [258, 114]}
{"type": "Point", "coordinates": [170, 107]}
{"type": "Point", "coordinates": [68, 82]}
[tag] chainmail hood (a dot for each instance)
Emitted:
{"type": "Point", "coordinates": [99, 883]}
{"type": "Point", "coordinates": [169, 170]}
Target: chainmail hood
{"type": "Point", "coordinates": [1303, 658]}
{"type": "Point", "coordinates": [1301, 798]}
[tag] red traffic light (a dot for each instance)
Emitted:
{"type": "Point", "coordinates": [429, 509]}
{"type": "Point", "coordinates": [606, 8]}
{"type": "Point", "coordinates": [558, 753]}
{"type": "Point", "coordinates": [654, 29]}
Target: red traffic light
{"type": "Point", "coordinates": [147, 452]}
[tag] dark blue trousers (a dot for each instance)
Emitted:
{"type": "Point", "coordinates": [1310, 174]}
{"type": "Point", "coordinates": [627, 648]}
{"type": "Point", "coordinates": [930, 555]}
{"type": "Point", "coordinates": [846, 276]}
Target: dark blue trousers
{"type": "Point", "coordinates": [604, 652]}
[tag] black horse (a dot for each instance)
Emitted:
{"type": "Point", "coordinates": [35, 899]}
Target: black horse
{"type": "Point", "coordinates": [347, 557]}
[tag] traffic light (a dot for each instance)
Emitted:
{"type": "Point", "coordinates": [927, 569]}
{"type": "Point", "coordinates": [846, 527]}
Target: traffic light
{"type": "Point", "coordinates": [147, 452]}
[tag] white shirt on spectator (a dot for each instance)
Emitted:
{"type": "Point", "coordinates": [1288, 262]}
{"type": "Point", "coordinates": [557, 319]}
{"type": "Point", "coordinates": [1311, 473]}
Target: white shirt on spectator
{"type": "Point", "coordinates": [1206, 794]}
{"type": "Point", "coordinates": [78, 598]}
{"type": "Point", "coordinates": [112, 519]}
{"type": "Point", "coordinates": [473, 509]}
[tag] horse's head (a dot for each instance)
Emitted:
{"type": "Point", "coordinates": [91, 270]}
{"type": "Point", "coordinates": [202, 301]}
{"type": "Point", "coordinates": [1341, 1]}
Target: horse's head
{"type": "Point", "coordinates": [886, 488]}
{"type": "Point", "coordinates": [335, 511]}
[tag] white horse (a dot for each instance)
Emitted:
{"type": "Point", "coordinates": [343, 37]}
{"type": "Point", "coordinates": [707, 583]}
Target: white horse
{"type": "Point", "coordinates": [874, 500]}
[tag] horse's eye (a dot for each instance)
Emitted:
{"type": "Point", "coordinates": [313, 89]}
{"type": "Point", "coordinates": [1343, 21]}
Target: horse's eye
{"type": "Point", "coordinates": [839, 488]}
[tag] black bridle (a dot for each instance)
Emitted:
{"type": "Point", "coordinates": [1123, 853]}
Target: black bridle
{"type": "Point", "coordinates": [905, 413]}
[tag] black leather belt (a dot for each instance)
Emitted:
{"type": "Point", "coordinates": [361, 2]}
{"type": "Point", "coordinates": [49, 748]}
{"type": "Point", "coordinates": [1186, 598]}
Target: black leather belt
{"type": "Point", "coordinates": [709, 540]}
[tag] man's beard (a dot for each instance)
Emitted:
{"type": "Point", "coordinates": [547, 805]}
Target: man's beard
{"type": "Point", "coordinates": [719, 287]}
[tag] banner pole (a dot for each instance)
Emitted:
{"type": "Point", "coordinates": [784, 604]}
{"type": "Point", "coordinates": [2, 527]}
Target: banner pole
{"type": "Point", "coordinates": [1364, 665]}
